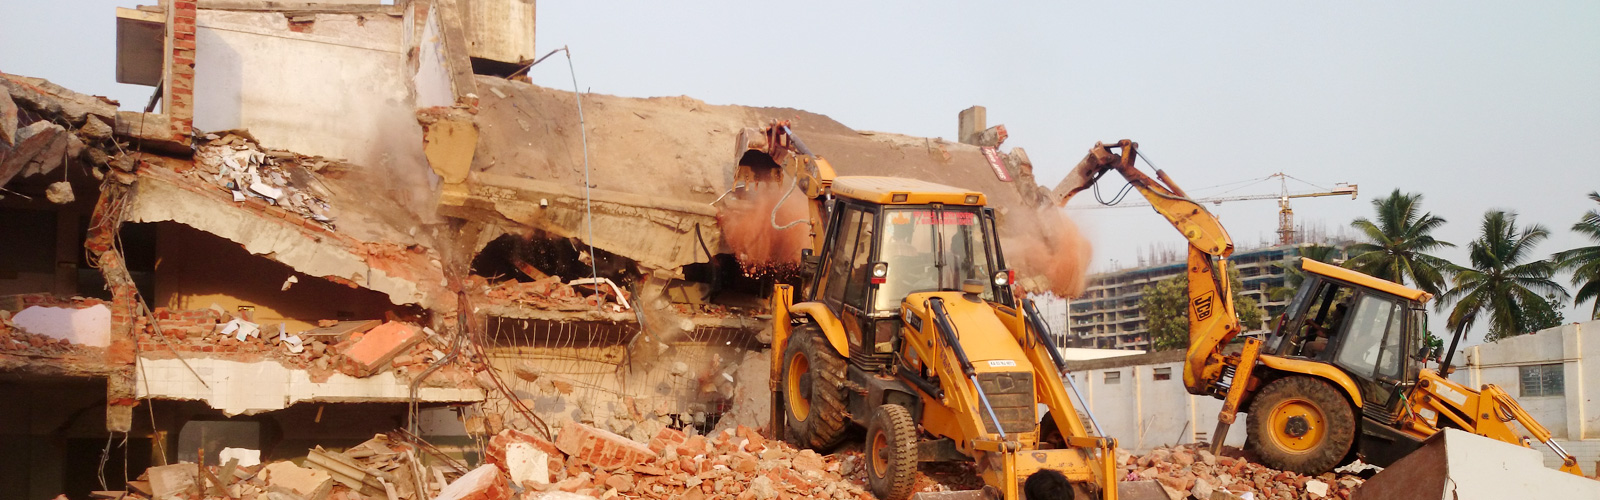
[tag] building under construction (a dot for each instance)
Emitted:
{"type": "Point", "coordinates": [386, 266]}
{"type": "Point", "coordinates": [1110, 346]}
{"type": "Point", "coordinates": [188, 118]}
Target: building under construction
{"type": "Point", "coordinates": [1108, 316]}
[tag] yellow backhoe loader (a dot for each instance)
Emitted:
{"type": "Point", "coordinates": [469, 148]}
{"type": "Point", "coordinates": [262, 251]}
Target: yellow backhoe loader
{"type": "Point", "coordinates": [906, 325]}
{"type": "Point", "coordinates": [1342, 375]}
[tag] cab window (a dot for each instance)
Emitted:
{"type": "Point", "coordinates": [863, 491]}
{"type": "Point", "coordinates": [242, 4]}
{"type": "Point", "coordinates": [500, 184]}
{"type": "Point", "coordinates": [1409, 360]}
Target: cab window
{"type": "Point", "coordinates": [1371, 345]}
{"type": "Point", "coordinates": [841, 252]}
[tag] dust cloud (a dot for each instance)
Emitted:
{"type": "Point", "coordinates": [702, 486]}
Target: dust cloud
{"type": "Point", "coordinates": [1048, 247]}
{"type": "Point", "coordinates": [747, 227]}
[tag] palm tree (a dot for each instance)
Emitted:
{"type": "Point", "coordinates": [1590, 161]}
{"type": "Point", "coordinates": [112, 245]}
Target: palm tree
{"type": "Point", "coordinates": [1399, 242]}
{"type": "Point", "coordinates": [1585, 261]}
{"type": "Point", "coordinates": [1500, 281]}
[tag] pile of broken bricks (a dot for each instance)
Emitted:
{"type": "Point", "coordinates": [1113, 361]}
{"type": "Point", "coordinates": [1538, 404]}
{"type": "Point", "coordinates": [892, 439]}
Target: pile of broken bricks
{"type": "Point", "coordinates": [551, 293]}
{"type": "Point", "coordinates": [586, 462]}
{"type": "Point", "coordinates": [1194, 472]}
{"type": "Point", "coordinates": [356, 348]}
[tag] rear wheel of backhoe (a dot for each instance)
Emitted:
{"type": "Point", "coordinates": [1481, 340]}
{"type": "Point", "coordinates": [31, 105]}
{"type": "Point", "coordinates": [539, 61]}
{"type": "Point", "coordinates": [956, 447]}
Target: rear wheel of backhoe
{"type": "Point", "coordinates": [891, 452]}
{"type": "Point", "coordinates": [813, 390]}
{"type": "Point", "coordinates": [1300, 424]}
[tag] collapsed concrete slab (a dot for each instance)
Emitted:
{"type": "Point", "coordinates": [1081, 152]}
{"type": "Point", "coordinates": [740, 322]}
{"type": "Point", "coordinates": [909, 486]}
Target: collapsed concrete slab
{"type": "Point", "coordinates": [1458, 465]}
{"type": "Point", "coordinates": [242, 388]}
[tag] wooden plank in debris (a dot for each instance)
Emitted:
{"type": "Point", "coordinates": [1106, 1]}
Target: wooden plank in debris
{"type": "Point", "coordinates": [344, 470]}
{"type": "Point", "coordinates": [341, 331]}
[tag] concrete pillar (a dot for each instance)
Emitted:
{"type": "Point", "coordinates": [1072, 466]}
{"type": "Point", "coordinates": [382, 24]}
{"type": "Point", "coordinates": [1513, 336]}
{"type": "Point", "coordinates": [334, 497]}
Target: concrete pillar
{"type": "Point", "coordinates": [1572, 370]}
{"type": "Point", "coordinates": [1138, 403]}
{"type": "Point", "coordinates": [974, 121]}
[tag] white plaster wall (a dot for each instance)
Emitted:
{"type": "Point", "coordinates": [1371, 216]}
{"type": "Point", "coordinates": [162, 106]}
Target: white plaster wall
{"type": "Point", "coordinates": [335, 91]}
{"type": "Point", "coordinates": [433, 77]}
{"type": "Point", "coordinates": [1143, 413]}
{"type": "Point", "coordinates": [1572, 418]}
{"type": "Point", "coordinates": [89, 326]}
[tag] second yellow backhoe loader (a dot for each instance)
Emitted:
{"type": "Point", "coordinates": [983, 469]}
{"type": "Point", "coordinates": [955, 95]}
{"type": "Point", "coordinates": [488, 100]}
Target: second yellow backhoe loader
{"type": "Point", "coordinates": [906, 325]}
{"type": "Point", "coordinates": [1342, 375]}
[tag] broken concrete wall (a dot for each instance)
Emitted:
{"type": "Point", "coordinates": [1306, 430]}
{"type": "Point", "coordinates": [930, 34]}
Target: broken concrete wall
{"type": "Point", "coordinates": [608, 376]}
{"type": "Point", "coordinates": [317, 83]}
{"type": "Point", "coordinates": [196, 269]}
{"type": "Point", "coordinates": [311, 250]}
{"type": "Point", "coordinates": [657, 165]}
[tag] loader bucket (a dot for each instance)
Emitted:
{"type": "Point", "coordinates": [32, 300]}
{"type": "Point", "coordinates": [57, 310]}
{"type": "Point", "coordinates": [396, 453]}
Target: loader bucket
{"type": "Point", "coordinates": [1126, 490]}
{"type": "Point", "coordinates": [1460, 465]}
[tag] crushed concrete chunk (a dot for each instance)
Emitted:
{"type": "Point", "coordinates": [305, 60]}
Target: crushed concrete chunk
{"type": "Point", "coordinates": [173, 481]}
{"type": "Point", "coordinates": [302, 481]}
{"type": "Point", "coordinates": [482, 483]}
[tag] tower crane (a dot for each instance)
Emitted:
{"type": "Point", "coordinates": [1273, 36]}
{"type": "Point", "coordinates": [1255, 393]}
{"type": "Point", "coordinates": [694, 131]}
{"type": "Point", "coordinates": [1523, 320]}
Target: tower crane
{"type": "Point", "coordinates": [1285, 211]}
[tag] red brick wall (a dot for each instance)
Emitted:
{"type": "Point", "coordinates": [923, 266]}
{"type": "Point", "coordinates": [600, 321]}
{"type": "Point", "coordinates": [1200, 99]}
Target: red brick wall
{"type": "Point", "coordinates": [180, 81]}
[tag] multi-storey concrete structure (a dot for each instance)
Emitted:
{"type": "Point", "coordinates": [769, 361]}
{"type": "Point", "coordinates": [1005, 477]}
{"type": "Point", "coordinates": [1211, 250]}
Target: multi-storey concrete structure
{"type": "Point", "coordinates": [1108, 315]}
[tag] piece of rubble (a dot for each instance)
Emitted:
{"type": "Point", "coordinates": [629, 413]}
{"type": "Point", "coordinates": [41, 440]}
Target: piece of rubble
{"type": "Point", "coordinates": [246, 457]}
{"type": "Point", "coordinates": [302, 481]}
{"type": "Point", "coordinates": [380, 346]}
{"type": "Point", "coordinates": [601, 447]}
{"type": "Point", "coordinates": [482, 483]}
{"type": "Point", "coordinates": [59, 192]}
{"type": "Point", "coordinates": [174, 481]}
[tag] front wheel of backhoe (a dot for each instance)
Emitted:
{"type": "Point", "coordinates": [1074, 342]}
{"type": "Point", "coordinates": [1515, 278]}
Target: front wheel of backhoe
{"type": "Point", "coordinates": [1300, 424]}
{"type": "Point", "coordinates": [891, 452]}
{"type": "Point", "coordinates": [813, 390]}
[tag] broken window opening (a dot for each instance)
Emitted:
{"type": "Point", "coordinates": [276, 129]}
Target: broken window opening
{"type": "Point", "coordinates": [540, 272]}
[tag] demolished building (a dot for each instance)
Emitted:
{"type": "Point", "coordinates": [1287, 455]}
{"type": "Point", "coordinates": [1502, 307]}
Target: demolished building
{"type": "Point", "coordinates": [335, 220]}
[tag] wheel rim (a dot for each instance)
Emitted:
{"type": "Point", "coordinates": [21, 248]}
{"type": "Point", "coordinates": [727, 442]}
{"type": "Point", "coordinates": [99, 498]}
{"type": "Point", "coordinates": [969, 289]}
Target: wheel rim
{"type": "Point", "coordinates": [1297, 425]}
{"type": "Point", "coordinates": [799, 405]}
{"type": "Point", "coordinates": [879, 452]}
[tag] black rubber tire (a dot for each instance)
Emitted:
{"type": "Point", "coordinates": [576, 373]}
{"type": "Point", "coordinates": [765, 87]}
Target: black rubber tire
{"type": "Point", "coordinates": [824, 426]}
{"type": "Point", "coordinates": [1323, 455]}
{"type": "Point", "coordinates": [1049, 435]}
{"type": "Point", "coordinates": [893, 479]}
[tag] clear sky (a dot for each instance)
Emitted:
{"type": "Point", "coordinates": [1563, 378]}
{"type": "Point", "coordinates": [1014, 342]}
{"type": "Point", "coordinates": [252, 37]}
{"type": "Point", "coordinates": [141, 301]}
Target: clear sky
{"type": "Point", "coordinates": [1476, 105]}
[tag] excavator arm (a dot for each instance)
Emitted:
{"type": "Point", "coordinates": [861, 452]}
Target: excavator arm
{"type": "Point", "coordinates": [1212, 322]}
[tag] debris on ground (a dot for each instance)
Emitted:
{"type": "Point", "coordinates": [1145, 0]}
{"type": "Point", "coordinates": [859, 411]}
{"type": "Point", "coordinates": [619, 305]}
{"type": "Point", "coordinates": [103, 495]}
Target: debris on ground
{"type": "Point", "coordinates": [583, 463]}
{"type": "Point", "coordinates": [1192, 471]}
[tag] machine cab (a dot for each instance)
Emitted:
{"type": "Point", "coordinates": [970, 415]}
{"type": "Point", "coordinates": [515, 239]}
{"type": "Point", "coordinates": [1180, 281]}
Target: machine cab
{"type": "Point", "coordinates": [891, 237]}
{"type": "Point", "coordinates": [1370, 328]}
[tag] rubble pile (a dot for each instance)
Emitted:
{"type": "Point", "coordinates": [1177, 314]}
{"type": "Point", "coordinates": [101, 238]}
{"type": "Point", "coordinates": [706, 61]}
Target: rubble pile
{"type": "Point", "coordinates": [354, 348]}
{"type": "Point", "coordinates": [236, 162]}
{"type": "Point", "coordinates": [736, 463]}
{"type": "Point", "coordinates": [379, 468]}
{"type": "Point", "coordinates": [1192, 471]}
{"type": "Point", "coordinates": [44, 127]}
{"type": "Point", "coordinates": [551, 293]}
{"type": "Point", "coordinates": [582, 463]}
